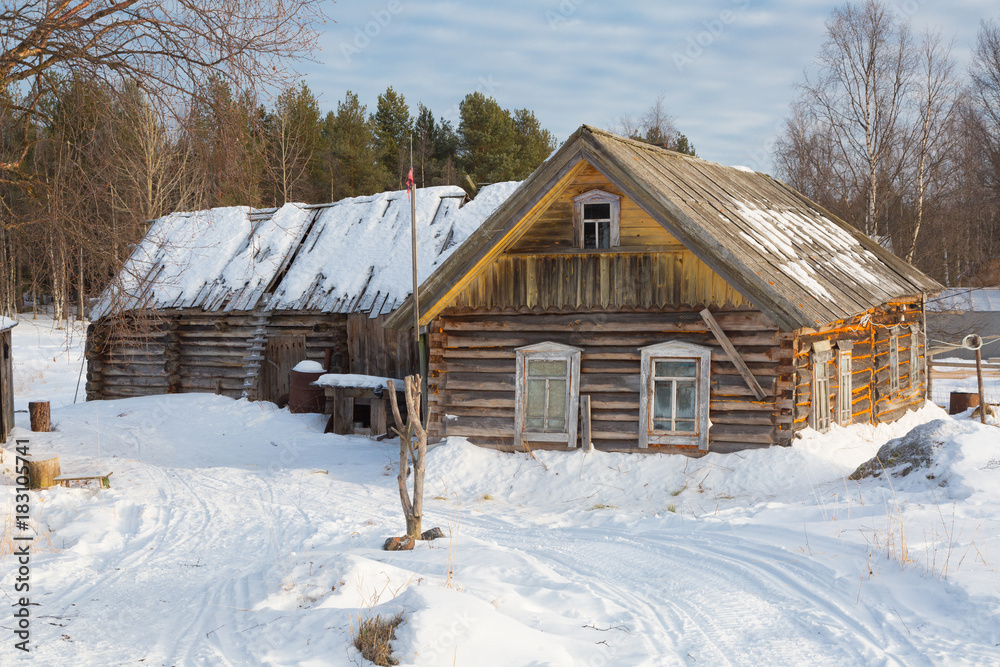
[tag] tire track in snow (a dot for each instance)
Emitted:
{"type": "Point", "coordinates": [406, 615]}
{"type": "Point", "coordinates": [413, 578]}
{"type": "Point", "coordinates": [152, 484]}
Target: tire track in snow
{"type": "Point", "coordinates": [723, 599]}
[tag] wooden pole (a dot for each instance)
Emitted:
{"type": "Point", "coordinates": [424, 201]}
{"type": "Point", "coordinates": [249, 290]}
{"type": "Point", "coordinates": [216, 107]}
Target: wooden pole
{"type": "Point", "coordinates": [983, 407]}
{"type": "Point", "coordinates": [421, 353]}
{"type": "Point", "coordinates": [40, 416]}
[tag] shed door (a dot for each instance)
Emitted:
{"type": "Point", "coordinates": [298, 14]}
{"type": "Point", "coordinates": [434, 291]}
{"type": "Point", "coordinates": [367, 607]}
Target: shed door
{"type": "Point", "coordinates": [280, 357]}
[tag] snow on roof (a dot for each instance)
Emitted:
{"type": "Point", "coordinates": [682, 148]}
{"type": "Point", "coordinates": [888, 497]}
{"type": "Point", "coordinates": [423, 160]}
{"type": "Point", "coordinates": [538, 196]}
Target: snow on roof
{"type": "Point", "coordinates": [350, 256]}
{"type": "Point", "coordinates": [6, 323]}
{"type": "Point", "coordinates": [982, 300]}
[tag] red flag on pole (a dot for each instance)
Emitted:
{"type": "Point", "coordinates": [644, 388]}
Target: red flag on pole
{"type": "Point", "coordinates": [409, 183]}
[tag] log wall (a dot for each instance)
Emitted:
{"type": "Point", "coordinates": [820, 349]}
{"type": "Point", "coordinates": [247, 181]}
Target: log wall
{"type": "Point", "coordinates": [472, 364]}
{"type": "Point", "coordinates": [191, 351]}
{"type": "Point", "coordinates": [872, 400]}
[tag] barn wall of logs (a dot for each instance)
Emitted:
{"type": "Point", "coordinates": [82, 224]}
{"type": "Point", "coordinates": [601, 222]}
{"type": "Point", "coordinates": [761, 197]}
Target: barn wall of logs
{"type": "Point", "coordinates": [472, 364]}
{"type": "Point", "coordinates": [190, 351]}
{"type": "Point", "coordinates": [872, 398]}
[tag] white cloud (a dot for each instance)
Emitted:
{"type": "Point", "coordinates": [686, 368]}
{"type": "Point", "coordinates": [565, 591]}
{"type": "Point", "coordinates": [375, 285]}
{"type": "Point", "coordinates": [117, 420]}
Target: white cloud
{"type": "Point", "coordinates": [728, 77]}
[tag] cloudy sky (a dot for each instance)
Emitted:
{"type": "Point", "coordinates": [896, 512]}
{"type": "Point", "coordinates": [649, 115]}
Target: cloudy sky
{"type": "Point", "coordinates": [727, 68]}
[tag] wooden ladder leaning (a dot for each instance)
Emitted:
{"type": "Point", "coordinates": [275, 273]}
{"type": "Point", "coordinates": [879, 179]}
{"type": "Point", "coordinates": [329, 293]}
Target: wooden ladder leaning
{"type": "Point", "coordinates": [253, 359]}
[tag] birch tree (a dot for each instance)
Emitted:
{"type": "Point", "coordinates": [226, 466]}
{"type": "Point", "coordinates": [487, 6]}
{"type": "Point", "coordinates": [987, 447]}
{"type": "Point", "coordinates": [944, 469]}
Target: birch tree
{"type": "Point", "coordinates": [865, 72]}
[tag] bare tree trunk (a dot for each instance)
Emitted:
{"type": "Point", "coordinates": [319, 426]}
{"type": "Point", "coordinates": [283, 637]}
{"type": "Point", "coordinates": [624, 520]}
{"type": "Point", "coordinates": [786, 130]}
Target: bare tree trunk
{"type": "Point", "coordinates": [412, 449]}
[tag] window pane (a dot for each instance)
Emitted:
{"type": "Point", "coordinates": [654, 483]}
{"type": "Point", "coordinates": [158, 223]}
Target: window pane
{"type": "Point", "coordinates": [597, 211]}
{"type": "Point", "coordinates": [535, 424]}
{"type": "Point", "coordinates": [660, 425]}
{"type": "Point", "coordinates": [547, 368]}
{"type": "Point", "coordinates": [557, 425]}
{"type": "Point", "coordinates": [604, 234]}
{"type": "Point", "coordinates": [685, 426]}
{"type": "Point", "coordinates": [683, 369]}
{"type": "Point", "coordinates": [589, 235]}
{"type": "Point", "coordinates": [686, 400]}
{"type": "Point", "coordinates": [663, 401]}
{"type": "Point", "coordinates": [557, 398]}
{"type": "Point", "coordinates": [535, 403]}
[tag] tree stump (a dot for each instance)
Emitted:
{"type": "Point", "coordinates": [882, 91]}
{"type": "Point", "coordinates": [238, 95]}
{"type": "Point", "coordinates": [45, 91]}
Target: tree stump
{"type": "Point", "coordinates": [40, 416]}
{"type": "Point", "coordinates": [42, 473]}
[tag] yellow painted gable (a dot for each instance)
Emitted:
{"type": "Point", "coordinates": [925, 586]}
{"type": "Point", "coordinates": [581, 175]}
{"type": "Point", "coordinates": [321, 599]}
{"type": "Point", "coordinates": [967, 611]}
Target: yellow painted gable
{"type": "Point", "coordinates": [551, 228]}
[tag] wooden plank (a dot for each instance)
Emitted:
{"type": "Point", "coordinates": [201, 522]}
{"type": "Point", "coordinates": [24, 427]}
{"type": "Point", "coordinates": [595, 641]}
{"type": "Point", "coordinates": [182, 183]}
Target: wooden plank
{"type": "Point", "coordinates": [585, 440]}
{"type": "Point", "coordinates": [734, 356]}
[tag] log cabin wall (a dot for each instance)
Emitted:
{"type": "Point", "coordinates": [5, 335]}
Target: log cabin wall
{"type": "Point", "coordinates": [192, 351]}
{"type": "Point", "coordinates": [375, 350]}
{"type": "Point", "coordinates": [6, 384]}
{"type": "Point", "coordinates": [472, 363]}
{"type": "Point", "coordinates": [873, 399]}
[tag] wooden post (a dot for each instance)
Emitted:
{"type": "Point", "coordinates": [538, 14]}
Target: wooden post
{"type": "Point", "coordinates": [40, 416]}
{"type": "Point", "coordinates": [585, 438]}
{"type": "Point", "coordinates": [983, 406]}
{"type": "Point", "coordinates": [42, 473]}
{"type": "Point", "coordinates": [379, 416]}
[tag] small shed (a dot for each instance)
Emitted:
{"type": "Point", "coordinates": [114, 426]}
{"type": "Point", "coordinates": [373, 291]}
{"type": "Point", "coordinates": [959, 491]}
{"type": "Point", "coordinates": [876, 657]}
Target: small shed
{"type": "Point", "coordinates": [955, 313]}
{"type": "Point", "coordinates": [229, 300]}
{"type": "Point", "coordinates": [6, 378]}
{"type": "Point", "coordinates": [641, 299]}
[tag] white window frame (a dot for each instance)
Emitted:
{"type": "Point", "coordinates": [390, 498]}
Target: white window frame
{"type": "Point", "coordinates": [597, 197]}
{"type": "Point", "coordinates": [548, 351]}
{"type": "Point", "coordinates": [894, 361]}
{"type": "Point", "coordinates": [914, 374]}
{"type": "Point", "coordinates": [820, 412]}
{"type": "Point", "coordinates": [845, 383]}
{"type": "Point", "coordinates": [672, 350]}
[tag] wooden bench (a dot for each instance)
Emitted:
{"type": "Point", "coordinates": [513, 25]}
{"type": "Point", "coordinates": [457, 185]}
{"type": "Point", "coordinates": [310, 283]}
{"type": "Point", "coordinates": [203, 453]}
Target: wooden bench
{"type": "Point", "coordinates": [105, 480]}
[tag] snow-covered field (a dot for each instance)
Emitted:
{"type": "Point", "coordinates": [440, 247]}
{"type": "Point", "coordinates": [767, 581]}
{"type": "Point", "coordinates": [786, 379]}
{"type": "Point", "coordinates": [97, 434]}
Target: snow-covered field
{"type": "Point", "coordinates": [239, 534]}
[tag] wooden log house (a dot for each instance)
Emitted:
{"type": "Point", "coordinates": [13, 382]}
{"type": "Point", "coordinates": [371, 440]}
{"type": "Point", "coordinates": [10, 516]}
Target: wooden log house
{"type": "Point", "coordinates": [228, 301]}
{"type": "Point", "coordinates": [687, 306]}
{"type": "Point", "coordinates": [6, 378]}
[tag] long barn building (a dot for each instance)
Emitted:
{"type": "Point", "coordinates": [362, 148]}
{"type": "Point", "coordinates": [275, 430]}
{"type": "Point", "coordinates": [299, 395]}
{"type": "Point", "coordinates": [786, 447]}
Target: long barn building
{"type": "Point", "coordinates": [229, 300]}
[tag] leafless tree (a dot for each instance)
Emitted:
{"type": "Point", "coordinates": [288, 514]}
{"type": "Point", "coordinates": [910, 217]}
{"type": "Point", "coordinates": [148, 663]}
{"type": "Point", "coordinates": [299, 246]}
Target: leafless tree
{"type": "Point", "coordinates": [935, 100]}
{"type": "Point", "coordinates": [654, 126]}
{"type": "Point", "coordinates": [865, 71]}
{"type": "Point", "coordinates": [163, 46]}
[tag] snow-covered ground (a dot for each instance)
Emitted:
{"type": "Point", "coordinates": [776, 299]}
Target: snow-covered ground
{"type": "Point", "coordinates": [239, 534]}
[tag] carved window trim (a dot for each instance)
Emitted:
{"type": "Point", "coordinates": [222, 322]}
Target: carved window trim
{"type": "Point", "coordinates": [674, 350]}
{"type": "Point", "coordinates": [820, 414]}
{"type": "Point", "coordinates": [547, 351]}
{"type": "Point", "coordinates": [596, 197]}
{"type": "Point", "coordinates": [845, 383]}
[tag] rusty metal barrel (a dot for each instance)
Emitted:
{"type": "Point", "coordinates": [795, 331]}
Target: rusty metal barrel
{"type": "Point", "coordinates": [303, 395]}
{"type": "Point", "coordinates": [962, 401]}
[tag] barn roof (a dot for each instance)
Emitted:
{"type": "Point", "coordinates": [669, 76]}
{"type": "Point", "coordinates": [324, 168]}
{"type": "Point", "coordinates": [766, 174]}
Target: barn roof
{"type": "Point", "coordinates": [799, 264]}
{"type": "Point", "coordinates": [979, 300]}
{"type": "Point", "coordinates": [350, 256]}
{"type": "Point", "coordinates": [6, 323]}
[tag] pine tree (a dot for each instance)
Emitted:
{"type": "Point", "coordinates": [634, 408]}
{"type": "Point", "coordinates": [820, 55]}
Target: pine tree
{"type": "Point", "coordinates": [393, 125]}
{"type": "Point", "coordinates": [355, 158]}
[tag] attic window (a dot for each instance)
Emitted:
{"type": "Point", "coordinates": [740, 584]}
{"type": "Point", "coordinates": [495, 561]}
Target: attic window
{"type": "Point", "coordinates": [596, 220]}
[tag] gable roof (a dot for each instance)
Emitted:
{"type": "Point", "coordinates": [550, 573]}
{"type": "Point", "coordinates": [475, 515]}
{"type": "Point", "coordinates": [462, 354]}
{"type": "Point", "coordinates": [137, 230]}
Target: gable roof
{"type": "Point", "coordinates": [796, 262]}
{"type": "Point", "coordinates": [350, 256]}
{"type": "Point", "coordinates": [6, 323]}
